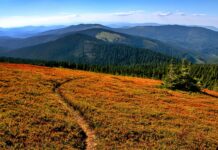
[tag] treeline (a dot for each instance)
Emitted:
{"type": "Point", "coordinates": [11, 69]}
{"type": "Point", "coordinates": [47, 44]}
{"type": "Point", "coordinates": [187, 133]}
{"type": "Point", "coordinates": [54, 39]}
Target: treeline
{"type": "Point", "coordinates": [153, 70]}
{"type": "Point", "coordinates": [207, 74]}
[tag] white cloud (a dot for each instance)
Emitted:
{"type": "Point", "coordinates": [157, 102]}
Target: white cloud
{"type": "Point", "coordinates": [128, 13]}
{"type": "Point", "coordinates": [163, 14]}
{"type": "Point", "coordinates": [36, 20]}
{"type": "Point", "coordinates": [180, 13]}
{"type": "Point", "coordinates": [199, 15]}
{"type": "Point", "coordinates": [136, 16]}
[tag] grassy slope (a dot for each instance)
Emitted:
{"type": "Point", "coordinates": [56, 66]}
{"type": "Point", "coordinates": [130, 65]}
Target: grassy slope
{"type": "Point", "coordinates": [31, 116]}
{"type": "Point", "coordinates": [125, 112]}
{"type": "Point", "coordinates": [129, 113]}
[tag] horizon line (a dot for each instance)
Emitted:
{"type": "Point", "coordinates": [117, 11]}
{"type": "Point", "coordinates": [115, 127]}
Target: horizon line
{"type": "Point", "coordinates": [118, 24]}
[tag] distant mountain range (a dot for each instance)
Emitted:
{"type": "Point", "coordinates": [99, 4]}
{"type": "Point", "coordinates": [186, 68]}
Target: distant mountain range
{"type": "Point", "coordinates": [197, 44]}
{"type": "Point", "coordinates": [201, 42]}
{"type": "Point", "coordinates": [73, 28]}
{"type": "Point", "coordinates": [129, 25]}
{"type": "Point", "coordinates": [100, 34]}
{"type": "Point", "coordinates": [43, 37]}
{"type": "Point", "coordinates": [23, 32]}
{"type": "Point", "coordinates": [211, 28]}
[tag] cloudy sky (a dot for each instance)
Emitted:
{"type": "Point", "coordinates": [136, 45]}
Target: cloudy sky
{"type": "Point", "coordinates": [14, 13]}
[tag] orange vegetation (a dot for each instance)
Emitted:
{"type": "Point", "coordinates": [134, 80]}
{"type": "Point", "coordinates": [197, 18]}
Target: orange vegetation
{"type": "Point", "coordinates": [124, 112]}
{"type": "Point", "coordinates": [31, 116]}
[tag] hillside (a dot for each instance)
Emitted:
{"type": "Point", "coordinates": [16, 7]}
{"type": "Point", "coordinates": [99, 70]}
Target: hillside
{"type": "Point", "coordinates": [71, 109]}
{"type": "Point", "coordinates": [81, 48]}
{"type": "Point", "coordinates": [16, 43]}
{"type": "Point", "coordinates": [203, 42]}
{"type": "Point", "coordinates": [134, 41]}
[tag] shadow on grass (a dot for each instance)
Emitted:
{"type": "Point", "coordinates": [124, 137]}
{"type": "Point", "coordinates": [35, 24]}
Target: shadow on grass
{"type": "Point", "coordinates": [201, 92]}
{"type": "Point", "coordinates": [205, 93]}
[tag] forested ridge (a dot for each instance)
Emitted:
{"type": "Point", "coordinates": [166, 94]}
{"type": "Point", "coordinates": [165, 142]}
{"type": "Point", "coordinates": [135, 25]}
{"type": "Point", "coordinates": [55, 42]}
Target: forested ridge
{"type": "Point", "coordinates": [206, 73]}
{"type": "Point", "coordinates": [83, 49]}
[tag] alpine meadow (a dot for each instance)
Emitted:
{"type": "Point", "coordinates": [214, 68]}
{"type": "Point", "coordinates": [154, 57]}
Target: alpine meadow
{"type": "Point", "coordinates": [115, 75]}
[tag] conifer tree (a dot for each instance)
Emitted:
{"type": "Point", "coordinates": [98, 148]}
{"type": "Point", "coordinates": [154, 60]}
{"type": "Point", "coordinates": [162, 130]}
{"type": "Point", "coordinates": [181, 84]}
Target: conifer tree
{"type": "Point", "coordinates": [170, 81]}
{"type": "Point", "coordinates": [181, 78]}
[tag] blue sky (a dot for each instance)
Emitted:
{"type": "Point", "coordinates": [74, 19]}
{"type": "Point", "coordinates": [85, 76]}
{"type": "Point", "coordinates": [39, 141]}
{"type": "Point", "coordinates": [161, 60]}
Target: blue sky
{"type": "Point", "coordinates": [57, 12]}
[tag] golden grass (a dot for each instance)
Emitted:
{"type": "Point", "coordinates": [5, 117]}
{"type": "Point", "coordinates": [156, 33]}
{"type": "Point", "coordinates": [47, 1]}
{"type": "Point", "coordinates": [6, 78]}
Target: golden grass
{"type": "Point", "coordinates": [125, 112]}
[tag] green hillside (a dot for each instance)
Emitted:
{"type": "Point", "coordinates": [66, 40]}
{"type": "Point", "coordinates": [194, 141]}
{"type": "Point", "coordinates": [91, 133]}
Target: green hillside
{"type": "Point", "coordinates": [199, 41]}
{"type": "Point", "coordinates": [81, 48]}
{"type": "Point", "coordinates": [135, 41]}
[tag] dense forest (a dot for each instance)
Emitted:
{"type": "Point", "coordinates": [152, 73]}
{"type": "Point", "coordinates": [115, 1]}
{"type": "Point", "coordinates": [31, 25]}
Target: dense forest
{"type": "Point", "coordinates": [83, 49]}
{"type": "Point", "coordinates": [207, 74]}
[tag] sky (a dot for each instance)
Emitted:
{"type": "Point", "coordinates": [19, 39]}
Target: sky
{"type": "Point", "coordinates": [17, 13]}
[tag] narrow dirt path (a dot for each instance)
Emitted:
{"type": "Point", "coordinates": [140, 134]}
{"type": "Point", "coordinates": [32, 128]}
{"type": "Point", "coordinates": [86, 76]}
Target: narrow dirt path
{"type": "Point", "coordinates": [90, 140]}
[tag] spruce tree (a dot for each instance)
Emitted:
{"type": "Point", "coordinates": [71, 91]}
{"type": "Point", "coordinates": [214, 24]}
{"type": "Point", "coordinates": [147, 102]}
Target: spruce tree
{"type": "Point", "coordinates": [181, 78]}
{"type": "Point", "coordinates": [171, 78]}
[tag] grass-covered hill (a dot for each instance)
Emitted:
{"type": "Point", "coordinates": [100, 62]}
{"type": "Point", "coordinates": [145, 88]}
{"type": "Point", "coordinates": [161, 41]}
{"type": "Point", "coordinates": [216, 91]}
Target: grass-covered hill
{"type": "Point", "coordinates": [135, 41]}
{"type": "Point", "coordinates": [59, 108]}
{"type": "Point", "coordinates": [81, 48]}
